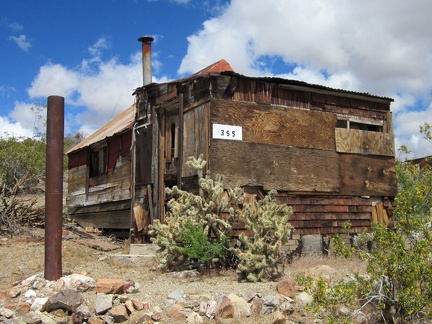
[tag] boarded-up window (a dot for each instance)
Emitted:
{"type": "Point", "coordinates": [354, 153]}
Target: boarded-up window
{"type": "Point", "coordinates": [360, 137]}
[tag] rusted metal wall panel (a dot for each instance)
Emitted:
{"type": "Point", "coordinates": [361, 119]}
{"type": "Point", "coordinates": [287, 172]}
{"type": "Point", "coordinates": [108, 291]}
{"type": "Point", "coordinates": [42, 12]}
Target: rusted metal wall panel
{"type": "Point", "coordinates": [77, 158]}
{"type": "Point", "coordinates": [364, 142]}
{"type": "Point", "coordinates": [275, 166]}
{"type": "Point", "coordinates": [277, 125]}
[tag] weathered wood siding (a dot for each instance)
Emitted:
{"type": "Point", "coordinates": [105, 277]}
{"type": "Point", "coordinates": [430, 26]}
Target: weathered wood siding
{"type": "Point", "coordinates": [102, 201]}
{"type": "Point", "coordinates": [107, 187]}
{"type": "Point", "coordinates": [327, 214]}
{"type": "Point", "coordinates": [195, 135]}
{"type": "Point", "coordinates": [367, 175]}
{"type": "Point", "coordinates": [275, 166]}
{"type": "Point", "coordinates": [277, 125]}
{"type": "Point", "coordinates": [364, 142]}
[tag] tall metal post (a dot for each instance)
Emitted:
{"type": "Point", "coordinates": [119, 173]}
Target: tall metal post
{"type": "Point", "coordinates": [54, 188]}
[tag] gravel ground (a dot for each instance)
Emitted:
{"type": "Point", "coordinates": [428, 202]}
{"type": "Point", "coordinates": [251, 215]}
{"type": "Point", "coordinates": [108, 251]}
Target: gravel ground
{"type": "Point", "coordinates": [23, 257]}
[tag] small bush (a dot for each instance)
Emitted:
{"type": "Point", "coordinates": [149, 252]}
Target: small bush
{"type": "Point", "coordinates": [196, 245]}
{"type": "Point", "coordinates": [400, 258]}
{"type": "Point", "coordinates": [268, 223]}
{"type": "Point", "coordinates": [196, 229]}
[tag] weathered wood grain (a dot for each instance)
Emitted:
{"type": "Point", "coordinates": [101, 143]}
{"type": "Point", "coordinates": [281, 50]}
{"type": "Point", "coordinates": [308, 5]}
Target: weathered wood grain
{"type": "Point", "coordinates": [195, 135]}
{"type": "Point", "coordinates": [274, 166]}
{"type": "Point", "coordinates": [367, 175]}
{"type": "Point", "coordinates": [277, 125]}
{"type": "Point", "coordinates": [364, 142]}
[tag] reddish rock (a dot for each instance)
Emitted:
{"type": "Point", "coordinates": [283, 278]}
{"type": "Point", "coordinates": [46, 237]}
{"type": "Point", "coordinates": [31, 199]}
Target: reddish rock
{"type": "Point", "coordinates": [225, 308]}
{"type": "Point", "coordinates": [175, 312]}
{"type": "Point", "coordinates": [19, 308]}
{"type": "Point", "coordinates": [157, 317]}
{"type": "Point", "coordinates": [146, 319]}
{"type": "Point", "coordinates": [109, 286]}
{"type": "Point", "coordinates": [95, 320]}
{"type": "Point", "coordinates": [257, 306]}
{"type": "Point", "coordinates": [14, 292]}
{"type": "Point", "coordinates": [130, 306]}
{"type": "Point", "coordinates": [287, 287]}
{"type": "Point", "coordinates": [138, 304]}
{"type": "Point", "coordinates": [147, 306]}
{"type": "Point", "coordinates": [118, 313]}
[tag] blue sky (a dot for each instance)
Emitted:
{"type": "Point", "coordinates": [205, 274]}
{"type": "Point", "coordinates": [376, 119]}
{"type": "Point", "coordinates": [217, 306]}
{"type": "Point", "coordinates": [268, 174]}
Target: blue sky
{"type": "Point", "coordinates": [87, 51]}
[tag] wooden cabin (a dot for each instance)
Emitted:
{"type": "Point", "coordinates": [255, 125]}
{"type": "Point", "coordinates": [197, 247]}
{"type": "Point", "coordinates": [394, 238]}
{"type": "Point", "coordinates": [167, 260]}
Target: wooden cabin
{"type": "Point", "coordinates": [329, 153]}
{"type": "Point", "coordinates": [99, 176]}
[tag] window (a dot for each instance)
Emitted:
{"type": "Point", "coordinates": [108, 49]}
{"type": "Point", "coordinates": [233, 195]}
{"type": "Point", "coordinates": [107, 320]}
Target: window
{"type": "Point", "coordinates": [98, 161]}
{"type": "Point", "coordinates": [349, 124]}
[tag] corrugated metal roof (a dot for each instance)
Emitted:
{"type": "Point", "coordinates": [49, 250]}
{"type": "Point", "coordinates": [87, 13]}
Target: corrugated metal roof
{"type": "Point", "coordinates": [222, 67]}
{"type": "Point", "coordinates": [117, 125]}
{"type": "Point", "coordinates": [217, 67]}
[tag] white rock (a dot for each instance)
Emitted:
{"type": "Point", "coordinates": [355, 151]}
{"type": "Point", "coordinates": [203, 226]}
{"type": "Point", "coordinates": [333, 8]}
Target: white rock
{"type": "Point", "coordinates": [6, 312]}
{"type": "Point", "coordinates": [81, 278]}
{"type": "Point", "coordinates": [194, 318]}
{"type": "Point", "coordinates": [303, 298]}
{"type": "Point", "coordinates": [29, 280]}
{"type": "Point", "coordinates": [30, 293]}
{"type": "Point", "coordinates": [38, 304]}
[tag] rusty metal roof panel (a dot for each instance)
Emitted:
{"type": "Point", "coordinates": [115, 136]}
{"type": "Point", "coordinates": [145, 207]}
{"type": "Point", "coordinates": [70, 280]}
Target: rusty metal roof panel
{"type": "Point", "coordinates": [222, 67]}
{"type": "Point", "coordinates": [119, 124]}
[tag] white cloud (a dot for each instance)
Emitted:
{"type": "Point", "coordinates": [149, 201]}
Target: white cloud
{"type": "Point", "coordinates": [22, 42]}
{"type": "Point", "coordinates": [94, 92]}
{"type": "Point", "coordinates": [21, 122]}
{"type": "Point", "coordinates": [15, 26]}
{"type": "Point", "coordinates": [380, 47]}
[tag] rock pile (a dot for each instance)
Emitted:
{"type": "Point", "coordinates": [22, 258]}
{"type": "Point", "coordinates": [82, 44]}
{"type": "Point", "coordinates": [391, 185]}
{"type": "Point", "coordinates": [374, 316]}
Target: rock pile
{"type": "Point", "coordinates": [36, 300]}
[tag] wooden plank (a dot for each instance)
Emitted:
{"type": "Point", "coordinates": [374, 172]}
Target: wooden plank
{"type": "Point", "coordinates": [277, 125]}
{"type": "Point", "coordinates": [180, 143]}
{"type": "Point", "coordinates": [367, 175]}
{"type": "Point", "coordinates": [112, 219]}
{"type": "Point", "coordinates": [330, 216]}
{"type": "Point", "coordinates": [274, 166]}
{"type": "Point", "coordinates": [357, 141]}
{"type": "Point", "coordinates": [195, 135]}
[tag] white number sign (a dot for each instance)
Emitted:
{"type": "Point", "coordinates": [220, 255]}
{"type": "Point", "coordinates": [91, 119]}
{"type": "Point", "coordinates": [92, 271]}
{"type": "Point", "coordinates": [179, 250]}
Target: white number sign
{"type": "Point", "coordinates": [227, 132]}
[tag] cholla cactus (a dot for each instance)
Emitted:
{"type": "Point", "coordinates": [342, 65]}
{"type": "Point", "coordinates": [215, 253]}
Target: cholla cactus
{"type": "Point", "coordinates": [268, 223]}
{"type": "Point", "coordinates": [204, 210]}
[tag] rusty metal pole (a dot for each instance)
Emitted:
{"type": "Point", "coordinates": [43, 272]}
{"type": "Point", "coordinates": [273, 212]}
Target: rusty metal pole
{"type": "Point", "coordinates": [54, 188]}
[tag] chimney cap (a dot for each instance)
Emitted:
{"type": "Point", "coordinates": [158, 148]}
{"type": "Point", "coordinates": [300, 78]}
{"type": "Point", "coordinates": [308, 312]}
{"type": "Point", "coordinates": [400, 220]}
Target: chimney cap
{"type": "Point", "coordinates": [146, 39]}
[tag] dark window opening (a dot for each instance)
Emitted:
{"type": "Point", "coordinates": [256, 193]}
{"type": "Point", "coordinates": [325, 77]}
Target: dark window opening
{"type": "Point", "coordinates": [343, 123]}
{"type": "Point", "coordinates": [173, 140]}
{"type": "Point", "coordinates": [98, 161]}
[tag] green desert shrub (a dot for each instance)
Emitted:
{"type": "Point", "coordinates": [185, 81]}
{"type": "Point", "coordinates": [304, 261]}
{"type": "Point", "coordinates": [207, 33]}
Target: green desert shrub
{"type": "Point", "coordinates": [198, 228]}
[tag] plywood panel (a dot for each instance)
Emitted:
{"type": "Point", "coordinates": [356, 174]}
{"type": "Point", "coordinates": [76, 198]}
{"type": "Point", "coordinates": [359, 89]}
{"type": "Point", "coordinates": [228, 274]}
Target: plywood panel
{"type": "Point", "coordinates": [368, 175]}
{"type": "Point", "coordinates": [275, 166]}
{"type": "Point", "coordinates": [195, 135]}
{"type": "Point", "coordinates": [277, 125]}
{"type": "Point", "coordinates": [364, 142]}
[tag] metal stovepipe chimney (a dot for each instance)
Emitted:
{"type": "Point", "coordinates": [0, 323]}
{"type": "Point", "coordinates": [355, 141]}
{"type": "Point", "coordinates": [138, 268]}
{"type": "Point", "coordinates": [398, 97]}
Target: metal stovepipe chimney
{"type": "Point", "coordinates": [146, 59]}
